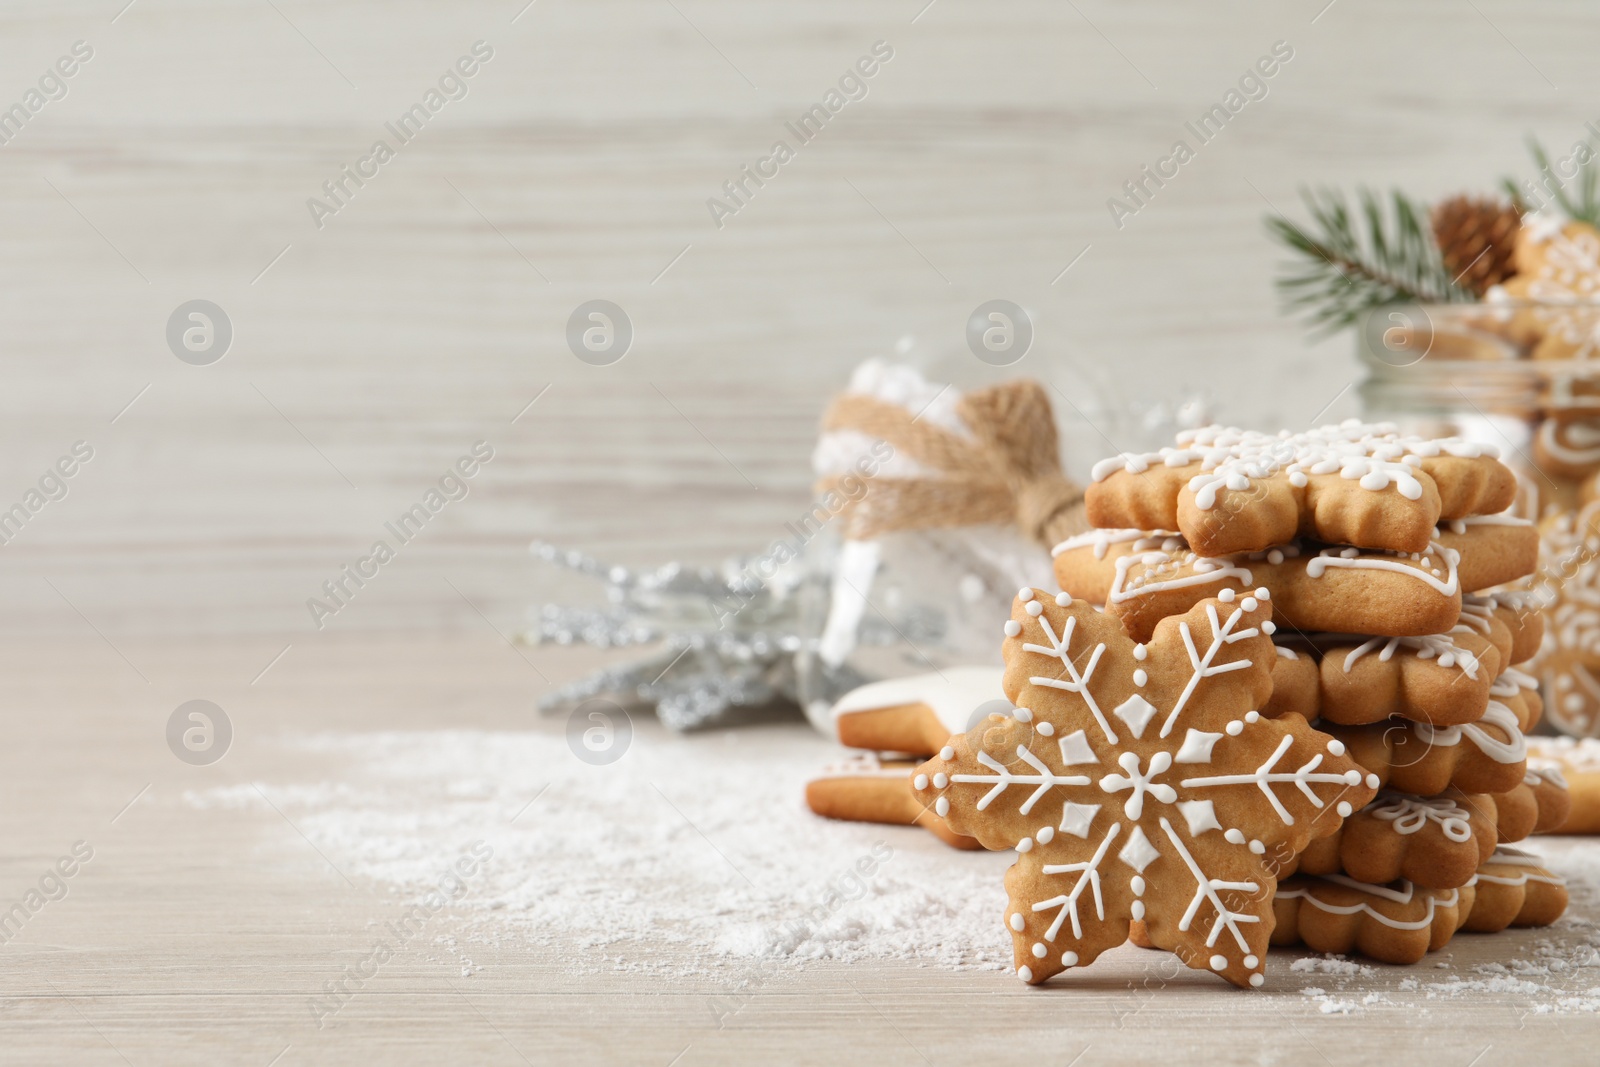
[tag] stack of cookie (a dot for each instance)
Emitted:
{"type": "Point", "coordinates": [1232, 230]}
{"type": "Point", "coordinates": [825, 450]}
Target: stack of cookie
{"type": "Point", "coordinates": [1380, 552]}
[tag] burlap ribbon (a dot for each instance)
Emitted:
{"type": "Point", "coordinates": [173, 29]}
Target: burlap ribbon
{"type": "Point", "coordinates": [1008, 471]}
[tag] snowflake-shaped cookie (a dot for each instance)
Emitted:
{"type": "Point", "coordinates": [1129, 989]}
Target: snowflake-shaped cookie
{"type": "Point", "coordinates": [1137, 782]}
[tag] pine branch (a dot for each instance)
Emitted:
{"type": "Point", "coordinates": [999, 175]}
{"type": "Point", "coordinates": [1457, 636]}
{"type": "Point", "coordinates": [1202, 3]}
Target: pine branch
{"type": "Point", "coordinates": [1586, 207]}
{"type": "Point", "coordinates": [1350, 261]}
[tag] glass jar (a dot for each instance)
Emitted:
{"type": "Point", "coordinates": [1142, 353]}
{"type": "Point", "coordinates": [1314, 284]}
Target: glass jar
{"type": "Point", "coordinates": [1524, 377]}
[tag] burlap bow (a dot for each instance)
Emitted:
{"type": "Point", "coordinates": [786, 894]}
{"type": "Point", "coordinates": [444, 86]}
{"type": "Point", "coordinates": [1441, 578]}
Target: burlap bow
{"type": "Point", "coordinates": [1008, 471]}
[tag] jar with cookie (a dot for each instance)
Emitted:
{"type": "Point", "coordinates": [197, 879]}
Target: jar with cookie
{"type": "Point", "coordinates": [1480, 318]}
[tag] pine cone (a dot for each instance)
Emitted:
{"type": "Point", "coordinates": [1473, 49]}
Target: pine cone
{"type": "Point", "coordinates": [1476, 240]}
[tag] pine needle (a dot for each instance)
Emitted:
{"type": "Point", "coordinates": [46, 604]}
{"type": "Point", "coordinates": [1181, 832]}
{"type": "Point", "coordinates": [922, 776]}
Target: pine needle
{"type": "Point", "coordinates": [1586, 206]}
{"type": "Point", "coordinates": [1348, 261]}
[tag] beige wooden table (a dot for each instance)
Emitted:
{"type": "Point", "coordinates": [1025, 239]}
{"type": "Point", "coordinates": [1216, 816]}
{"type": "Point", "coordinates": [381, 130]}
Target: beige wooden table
{"type": "Point", "coordinates": [199, 935]}
{"type": "Point", "coordinates": [430, 313]}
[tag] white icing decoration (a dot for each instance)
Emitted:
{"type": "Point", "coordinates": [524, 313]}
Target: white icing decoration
{"type": "Point", "coordinates": [1196, 748]}
{"type": "Point", "coordinates": [1138, 852]}
{"type": "Point", "coordinates": [1045, 729]}
{"type": "Point", "coordinates": [1077, 818]}
{"type": "Point", "coordinates": [1206, 892]}
{"type": "Point", "coordinates": [1101, 540]}
{"type": "Point", "coordinates": [1140, 677]}
{"type": "Point", "coordinates": [1140, 783]}
{"type": "Point", "coordinates": [1222, 634]}
{"type": "Point", "coordinates": [1330, 557]}
{"type": "Point", "coordinates": [1399, 896]}
{"type": "Point", "coordinates": [1433, 646]}
{"type": "Point", "coordinates": [1265, 778]}
{"type": "Point", "coordinates": [1201, 815]}
{"type": "Point", "coordinates": [951, 694]}
{"type": "Point", "coordinates": [1045, 779]}
{"type": "Point", "coordinates": [1372, 455]}
{"type": "Point", "coordinates": [1079, 683]}
{"type": "Point", "coordinates": [1067, 903]}
{"type": "Point", "coordinates": [1514, 749]}
{"type": "Point", "coordinates": [1580, 449]}
{"type": "Point", "coordinates": [1161, 561]}
{"type": "Point", "coordinates": [1532, 868]}
{"type": "Point", "coordinates": [1017, 921]}
{"type": "Point", "coordinates": [1408, 814]}
{"type": "Point", "coordinates": [1137, 712]}
{"type": "Point", "coordinates": [1548, 771]}
{"type": "Point", "coordinates": [1013, 627]}
{"type": "Point", "coordinates": [1075, 749]}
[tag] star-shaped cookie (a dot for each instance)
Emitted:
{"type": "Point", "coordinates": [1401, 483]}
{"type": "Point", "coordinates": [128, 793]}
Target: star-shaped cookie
{"type": "Point", "coordinates": [1138, 782]}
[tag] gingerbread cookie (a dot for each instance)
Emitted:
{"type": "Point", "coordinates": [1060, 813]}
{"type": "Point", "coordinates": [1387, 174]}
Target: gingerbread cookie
{"type": "Point", "coordinates": [1576, 762]}
{"type": "Point", "coordinates": [1487, 756]}
{"type": "Point", "coordinates": [1435, 842]}
{"type": "Point", "coordinates": [1558, 275]}
{"type": "Point", "coordinates": [1513, 888]}
{"type": "Point", "coordinates": [1143, 578]}
{"type": "Point", "coordinates": [1442, 679]}
{"type": "Point", "coordinates": [1568, 448]}
{"type": "Point", "coordinates": [915, 715]}
{"type": "Point", "coordinates": [1568, 587]}
{"type": "Point", "coordinates": [867, 789]}
{"type": "Point", "coordinates": [1136, 783]}
{"type": "Point", "coordinates": [1522, 621]}
{"type": "Point", "coordinates": [1494, 549]}
{"type": "Point", "coordinates": [1539, 804]}
{"type": "Point", "coordinates": [1398, 923]}
{"type": "Point", "coordinates": [1519, 691]}
{"type": "Point", "coordinates": [1229, 490]}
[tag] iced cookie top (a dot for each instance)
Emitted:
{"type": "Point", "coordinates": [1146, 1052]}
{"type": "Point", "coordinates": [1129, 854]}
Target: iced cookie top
{"type": "Point", "coordinates": [1374, 454]}
{"type": "Point", "coordinates": [1363, 484]}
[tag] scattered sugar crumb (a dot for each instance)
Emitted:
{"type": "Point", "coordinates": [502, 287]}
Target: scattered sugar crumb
{"type": "Point", "coordinates": [1335, 965]}
{"type": "Point", "coordinates": [692, 855]}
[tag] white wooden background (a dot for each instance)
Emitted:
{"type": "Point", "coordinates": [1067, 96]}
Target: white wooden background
{"type": "Point", "coordinates": [369, 354]}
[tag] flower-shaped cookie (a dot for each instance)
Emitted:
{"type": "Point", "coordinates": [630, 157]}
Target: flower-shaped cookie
{"type": "Point", "coordinates": [1137, 782]}
{"type": "Point", "coordinates": [1364, 484]}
